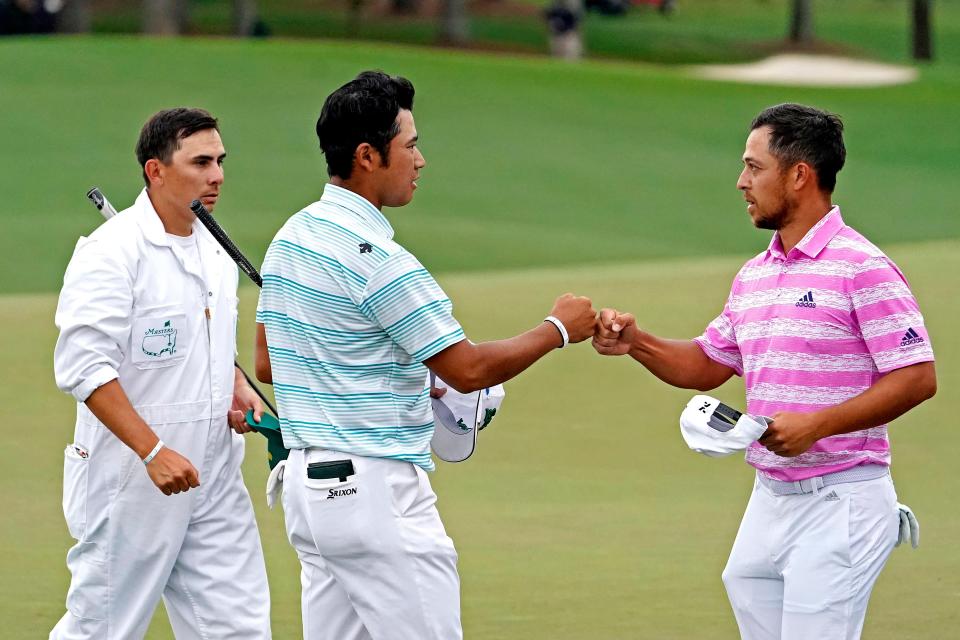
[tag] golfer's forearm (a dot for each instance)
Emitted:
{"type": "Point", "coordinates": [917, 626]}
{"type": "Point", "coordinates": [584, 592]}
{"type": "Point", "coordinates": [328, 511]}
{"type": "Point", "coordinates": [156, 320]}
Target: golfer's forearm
{"type": "Point", "coordinates": [889, 398]}
{"type": "Point", "coordinates": [679, 363]}
{"type": "Point", "coordinates": [468, 367]}
{"type": "Point", "coordinates": [112, 407]}
{"type": "Point", "coordinates": [501, 360]}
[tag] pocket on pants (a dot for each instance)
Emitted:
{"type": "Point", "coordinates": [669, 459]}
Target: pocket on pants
{"type": "Point", "coordinates": [349, 517]}
{"type": "Point", "coordinates": [339, 515]}
{"type": "Point", "coordinates": [76, 470]}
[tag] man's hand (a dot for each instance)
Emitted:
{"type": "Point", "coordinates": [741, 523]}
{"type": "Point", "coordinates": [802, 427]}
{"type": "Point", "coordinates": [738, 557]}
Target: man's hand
{"type": "Point", "coordinates": [615, 333]}
{"type": "Point", "coordinates": [577, 315]}
{"type": "Point", "coordinates": [790, 434]}
{"type": "Point", "coordinates": [244, 399]}
{"type": "Point", "coordinates": [172, 473]}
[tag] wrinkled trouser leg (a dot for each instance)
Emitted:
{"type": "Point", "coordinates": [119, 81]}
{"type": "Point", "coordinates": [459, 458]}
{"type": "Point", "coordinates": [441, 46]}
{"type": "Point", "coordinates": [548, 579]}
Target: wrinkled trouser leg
{"type": "Point", "coordinates": [803, 566]}
{"type": "Point", "coordinates": [376, 561]}
{"type": "Point", "coordinates": [130, 538]}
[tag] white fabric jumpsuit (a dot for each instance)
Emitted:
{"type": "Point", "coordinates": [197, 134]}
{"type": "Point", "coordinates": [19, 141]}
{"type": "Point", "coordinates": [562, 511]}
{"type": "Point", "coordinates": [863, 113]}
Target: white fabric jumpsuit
{"type": "Point", "coordinates": [133, 308]}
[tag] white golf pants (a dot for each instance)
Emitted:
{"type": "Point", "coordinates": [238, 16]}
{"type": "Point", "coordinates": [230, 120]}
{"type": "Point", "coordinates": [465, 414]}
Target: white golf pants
{"type": "Point", "coordinates": [375, 560]}
{"type": "Point", "coordinates": [199, 550]}
{"type": "Point", "coordinates": [803, 566]}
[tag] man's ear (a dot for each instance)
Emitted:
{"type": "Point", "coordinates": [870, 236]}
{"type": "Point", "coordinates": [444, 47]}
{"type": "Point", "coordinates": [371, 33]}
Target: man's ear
{"type": "Point", "coordinates": [366, 158]}
{"type": "Point", "coordinates": [803, 175]}
{"type": "Point", "coordinates": [153, 169]}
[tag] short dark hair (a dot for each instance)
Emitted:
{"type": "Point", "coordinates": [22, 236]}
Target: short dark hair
{"type": "Point", "coordinates": [804, 134]}
{"type": "Point", "coordinates": [161, 135]}
{"type": "Point", "coordinates": [363, 110]}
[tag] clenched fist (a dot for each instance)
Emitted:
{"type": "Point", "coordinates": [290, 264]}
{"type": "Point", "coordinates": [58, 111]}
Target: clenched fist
{"type": "Point", "coordinates": [577, 315]}
{"type": "Point", "coordinates": [615, 333]}
{"type": "Point", "coordinates": [172, 473]}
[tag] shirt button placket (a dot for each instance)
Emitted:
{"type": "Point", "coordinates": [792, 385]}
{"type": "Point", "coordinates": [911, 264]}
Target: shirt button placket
{"type": "Point", "coordinates": [780, 276]}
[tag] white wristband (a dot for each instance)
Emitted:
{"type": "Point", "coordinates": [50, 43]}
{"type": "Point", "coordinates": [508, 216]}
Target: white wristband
{"type": "Point", "coordinates": [562, 329]}
{"type": "Point", "coordinates": [153, 453]}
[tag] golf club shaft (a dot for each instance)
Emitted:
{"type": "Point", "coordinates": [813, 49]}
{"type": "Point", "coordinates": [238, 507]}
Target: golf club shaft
{"type": "Point", "coordinates": [107, 210]}
{"type": "Point", "coordinates": [256, 389]}
{"type": "Point", "coordinates": [207, 220]}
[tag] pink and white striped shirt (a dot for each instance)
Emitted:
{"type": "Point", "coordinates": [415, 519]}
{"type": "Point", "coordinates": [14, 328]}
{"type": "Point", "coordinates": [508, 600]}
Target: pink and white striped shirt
{"type": "Point", "coordinates": [812, 329]}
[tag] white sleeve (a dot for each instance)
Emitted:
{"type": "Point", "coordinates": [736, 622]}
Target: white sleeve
{"type": "Point", "coordinates": [93, 316]}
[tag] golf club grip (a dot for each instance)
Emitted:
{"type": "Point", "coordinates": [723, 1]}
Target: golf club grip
{"type": "Point", "coordinates": [221, 236]}
{"type": "Point", "coordinates": [101, 203]}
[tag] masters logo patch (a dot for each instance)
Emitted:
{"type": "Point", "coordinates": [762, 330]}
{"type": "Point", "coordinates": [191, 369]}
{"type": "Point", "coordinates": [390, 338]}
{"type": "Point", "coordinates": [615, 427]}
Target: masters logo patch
{"type": "Point", "coordinates": [158, 341]}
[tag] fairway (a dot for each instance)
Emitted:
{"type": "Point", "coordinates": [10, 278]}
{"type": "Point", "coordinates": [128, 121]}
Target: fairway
{"type": "Point", "coordinates": [583, 516]}
{"type": "Point", "coordinates": [530, 162]}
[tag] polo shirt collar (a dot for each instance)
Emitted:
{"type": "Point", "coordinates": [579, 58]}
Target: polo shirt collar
{"type": "Point", "coordinates": [359, 207]}
{"type": "Point", "coordinates": [815, 239]}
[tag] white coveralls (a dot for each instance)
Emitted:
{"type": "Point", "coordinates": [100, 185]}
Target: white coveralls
{"type": "Point", "coordinates": [133, 308]}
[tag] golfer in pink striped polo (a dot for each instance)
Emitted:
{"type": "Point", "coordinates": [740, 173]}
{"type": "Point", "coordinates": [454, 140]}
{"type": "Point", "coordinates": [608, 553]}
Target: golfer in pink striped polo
{"type": "Point", "coordinates": [832, 346]}
{"type": "Point", "coordinates": [814, 328]}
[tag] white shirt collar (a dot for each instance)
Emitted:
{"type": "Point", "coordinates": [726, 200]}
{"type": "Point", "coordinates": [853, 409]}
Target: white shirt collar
{"type": "Point", "coordinates": [359, 207]}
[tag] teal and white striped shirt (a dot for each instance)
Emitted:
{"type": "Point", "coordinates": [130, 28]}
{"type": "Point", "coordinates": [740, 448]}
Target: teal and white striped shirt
{"type": "Point", "coordinates": [350, 316]}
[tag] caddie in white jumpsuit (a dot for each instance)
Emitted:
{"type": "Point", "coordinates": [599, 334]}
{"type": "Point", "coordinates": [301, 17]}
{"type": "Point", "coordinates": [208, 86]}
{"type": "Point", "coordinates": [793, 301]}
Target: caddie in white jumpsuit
{"type": "Point", "coordinates": [147, 320]}
{"type": "Point", "coordinates": [350, 319]}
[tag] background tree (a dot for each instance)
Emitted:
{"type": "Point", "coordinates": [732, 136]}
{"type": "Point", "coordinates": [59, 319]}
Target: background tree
{"type": "Point", "coordinates": [922, 43]}
{"type": "Point", "coordinates": [245, 17]}
{"type": "Point", "coordinates": [454, 22]}
{"type": "Point", "coordinates": [74, 17]}
{"type": "Point", "coordinates": [801, 22]}
{"type": "Point", "coordinates": [164, 17]}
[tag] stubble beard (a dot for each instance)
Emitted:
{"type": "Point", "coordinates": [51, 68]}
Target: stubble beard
{"type": "Point", "coordinates": [773, 221]}
{"type": "Point", "coordinates": [779, 215]}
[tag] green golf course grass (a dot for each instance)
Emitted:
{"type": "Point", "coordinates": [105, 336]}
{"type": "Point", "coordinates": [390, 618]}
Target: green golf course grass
{"type": "Point", "coordinates": [530, 162]}
{"type": "Point", "coordinates": [582, 515]}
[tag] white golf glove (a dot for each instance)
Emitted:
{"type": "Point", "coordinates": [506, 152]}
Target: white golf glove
{"type": "Point", "coordinates": [712, 428]}
{"type": "Point", "coordinates": [909, 527]}
{"type": "Point", "coordinates": [275, 483]}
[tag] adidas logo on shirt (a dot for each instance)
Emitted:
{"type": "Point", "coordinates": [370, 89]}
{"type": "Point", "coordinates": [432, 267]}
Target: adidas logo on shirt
{"type": "Point", "coordinates": [830, 497]}
{"type": "Point", "coordinates": [807, 301]}
{"type": "Point", "coordinates": [910, 337]}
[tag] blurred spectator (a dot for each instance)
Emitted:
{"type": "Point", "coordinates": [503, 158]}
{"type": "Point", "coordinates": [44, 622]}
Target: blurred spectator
{"type": "Point", "coordinates": [563, 23]}
{"type": "Point", "coordinates": [28, 16]}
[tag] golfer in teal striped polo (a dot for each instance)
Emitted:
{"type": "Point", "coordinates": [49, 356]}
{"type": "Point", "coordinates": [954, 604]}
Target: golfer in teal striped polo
{"type": "Point", "coordinates": [348, 323]}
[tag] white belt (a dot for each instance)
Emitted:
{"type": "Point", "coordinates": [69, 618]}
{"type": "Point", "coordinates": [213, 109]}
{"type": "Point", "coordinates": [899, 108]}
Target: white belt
{"type": "Point", "coordinates": [860, 473]}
